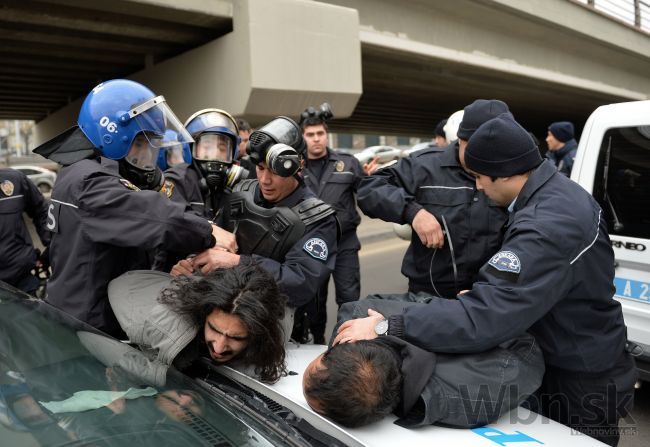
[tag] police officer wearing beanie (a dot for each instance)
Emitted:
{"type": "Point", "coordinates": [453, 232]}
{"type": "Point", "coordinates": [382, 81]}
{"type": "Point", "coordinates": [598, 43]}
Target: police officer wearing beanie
{"type": "Point", "coordinates": [552, 276]}
{"type": "Point", "coordinates": [562, 146]}
{"type": "Point", "coordinates": [430, 187]}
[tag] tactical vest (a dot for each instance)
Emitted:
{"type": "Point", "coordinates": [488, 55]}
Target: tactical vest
{"type": "Point", "coordinates": [269, 232]}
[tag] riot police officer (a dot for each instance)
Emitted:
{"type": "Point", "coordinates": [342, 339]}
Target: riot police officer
{"type": "Point", "coordinates": [106, 213]}
{"type": "Point", "coordinates": [334, 178]}
{"type": "Point", "coordinates": [279, 223]}
{"type": "Point", "coordinates": [202, 183]}
{"type": "Point", "coordinates": [18, 257]}
{"type": "Point", "coordinates": [433, 192]}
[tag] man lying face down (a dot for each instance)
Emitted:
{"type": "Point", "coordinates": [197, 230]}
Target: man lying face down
{"type": "Point", "coordinates": [232, 315]}
{"type": "Point", "coordinates": [355, 384]}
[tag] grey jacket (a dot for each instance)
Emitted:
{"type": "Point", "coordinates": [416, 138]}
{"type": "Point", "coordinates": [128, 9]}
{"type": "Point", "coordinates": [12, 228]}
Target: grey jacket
{"type": "Point", "coordinates": [458, 390]}
{"type": "Point", "coordinates": [148, 323]}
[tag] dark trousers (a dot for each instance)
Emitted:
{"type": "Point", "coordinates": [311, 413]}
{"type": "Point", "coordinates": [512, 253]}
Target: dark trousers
{"type": "Point", "coordinates": [589, 403]}
{"type": "Point", "coordinates": [347, 284]}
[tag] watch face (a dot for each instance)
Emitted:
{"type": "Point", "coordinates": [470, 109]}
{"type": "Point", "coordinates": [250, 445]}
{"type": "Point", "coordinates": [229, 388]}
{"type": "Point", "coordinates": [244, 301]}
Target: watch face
{"type": "Point", "coordinates": [381, 328]}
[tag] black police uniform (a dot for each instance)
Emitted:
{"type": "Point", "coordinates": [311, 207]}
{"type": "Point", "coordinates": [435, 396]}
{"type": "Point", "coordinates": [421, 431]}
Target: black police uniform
{"type": "Point", "coordinates": [17, 254]}
{"type": "Point", "coordinates": [334, 179]}
{"type": "Point", "coordinates": [436, 181]}
{"type": "Point", "coordinates": [564, 158]}
{"type": "Point", "coordinates": [553, 277]}
{"type": "Point", "coordinates": [183, 185]}
{"type": "Point", "coordinates": [309, 261]}
{"type": "Point", "coordinates": [103, 226]}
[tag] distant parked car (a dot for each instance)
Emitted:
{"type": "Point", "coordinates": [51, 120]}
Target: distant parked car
{"type": "Point", "coordinates": [43, 178]}
{"type": "Point", "coordinates": [418, 147]}
{"type": "Point", "coordinates": [384, 154]}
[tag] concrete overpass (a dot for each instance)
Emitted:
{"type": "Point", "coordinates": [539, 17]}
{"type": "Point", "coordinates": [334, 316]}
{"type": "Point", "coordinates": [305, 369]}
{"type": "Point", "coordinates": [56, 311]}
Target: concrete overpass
{"type": "Point", "coordinates": [386, 66]}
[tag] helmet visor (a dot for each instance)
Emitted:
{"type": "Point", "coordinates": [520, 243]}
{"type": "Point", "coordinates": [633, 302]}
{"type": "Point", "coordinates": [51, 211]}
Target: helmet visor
{"type": "Point", "coordinates": [213, 147]}
{"type": "Point", "coordinates": [144, 150]}
{"type": "Point", "coordinates": [154, 117]}
{"type": "Point", "coordinates": [174, 155]}
{"type": "Point", "coordinates": [220, 120]}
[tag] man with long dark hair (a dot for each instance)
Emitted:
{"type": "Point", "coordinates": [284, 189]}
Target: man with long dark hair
{"type": "Point", "coordinates": [240, 310]}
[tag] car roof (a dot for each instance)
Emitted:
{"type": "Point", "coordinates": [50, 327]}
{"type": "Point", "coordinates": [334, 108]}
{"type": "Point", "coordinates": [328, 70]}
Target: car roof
{"type": "Point", "coordinates": [518, 425]}
{"type": "Point", "coordinates": [37, 168]}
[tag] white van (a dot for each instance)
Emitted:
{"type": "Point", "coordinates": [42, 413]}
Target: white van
{"type": "Point", "coordinates": [613, 164]}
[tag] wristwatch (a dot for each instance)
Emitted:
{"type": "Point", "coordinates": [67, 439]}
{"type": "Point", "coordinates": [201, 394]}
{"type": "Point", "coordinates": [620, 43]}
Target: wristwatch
{"type": "Point", "coordinates": [381, 328]}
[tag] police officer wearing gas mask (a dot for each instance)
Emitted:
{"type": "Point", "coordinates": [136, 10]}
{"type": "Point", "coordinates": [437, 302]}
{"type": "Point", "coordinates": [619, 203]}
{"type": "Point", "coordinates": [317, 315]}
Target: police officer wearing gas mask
{"type": "Point", "coordinates": [106, 213]}
{"type": "Point", "coordinates": [279, 223]}
{"type": "Point", "coordinates": [203, 182]}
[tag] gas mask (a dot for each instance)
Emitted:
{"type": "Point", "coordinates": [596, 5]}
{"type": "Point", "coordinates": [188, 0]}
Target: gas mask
{"type": "Point", "coordinates": [140, 164]}
{"type": "Point", "coordinates": [280, 145]}
{"type": "Point", "coordinates": [213, 154]}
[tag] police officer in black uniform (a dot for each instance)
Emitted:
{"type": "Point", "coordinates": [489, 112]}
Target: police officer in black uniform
{"type": "Point", "coordinates": [553, 276]}
{"type": "Point", "coordinates": [433, 192]}
{"type": "Point", "coordinates": [18, 257]}
{"type": "Point", "coordinates": [279, 223]}
{"type": "Point", "coordinates": [334, 178]}
{"type": "Point", "coordinates": [106, 213]}
{"type": "Point", "coordinates": [201, 185]}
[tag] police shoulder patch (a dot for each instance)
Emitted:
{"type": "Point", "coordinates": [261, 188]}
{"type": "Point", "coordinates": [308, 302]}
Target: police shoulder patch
{"type": "Point", "coordinates": [167, 189]}
{"type": "Point", "coordinates": [506, 261]}
{"type": "Point", "coordinates": [129, 185]}
{"type": "Point", "coordinates": [7, 187]}
{"type": "Point", "coordinates": [317, 248]}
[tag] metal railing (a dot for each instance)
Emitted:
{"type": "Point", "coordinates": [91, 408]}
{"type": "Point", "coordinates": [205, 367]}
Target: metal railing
{"type": "Point", "coordinates": [633, 12]}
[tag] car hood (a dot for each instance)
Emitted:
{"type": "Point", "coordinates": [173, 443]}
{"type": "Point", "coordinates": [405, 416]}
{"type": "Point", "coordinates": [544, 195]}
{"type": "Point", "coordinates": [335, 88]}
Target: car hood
{"type": "Point", "coordinates": [519, 425]}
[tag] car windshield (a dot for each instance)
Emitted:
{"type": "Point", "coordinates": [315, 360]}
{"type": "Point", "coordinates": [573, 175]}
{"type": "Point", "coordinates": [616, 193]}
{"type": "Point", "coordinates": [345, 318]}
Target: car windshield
{"type": "Point", "coordinates": [64, 383]}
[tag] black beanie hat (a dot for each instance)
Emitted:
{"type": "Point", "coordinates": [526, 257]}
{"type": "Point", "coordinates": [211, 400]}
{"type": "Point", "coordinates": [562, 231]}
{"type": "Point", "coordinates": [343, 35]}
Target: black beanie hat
{"type": "Point", "coordinates": [479, 112]}
{"type": "Point", "coordinates": [562, 130]}
{"type": "Point", "coordinates": [501, 148]}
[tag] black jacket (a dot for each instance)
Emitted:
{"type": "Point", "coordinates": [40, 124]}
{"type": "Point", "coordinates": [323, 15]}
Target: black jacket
{"type": "Point", "coordinates": [184, 182]}
{"type": "Point", "coordinates": [19, 195]}
{"type": "Point", "coordinates": [564, 158]}
{"type": "Point", "coordinates": [301, 275]}
{"type": "Point", "coordinates": [553, 276]}
{"type": "Point", "coordinates": [435, 181]}
{"type": "Point", "coordinates": [337, 186]}
{"type": "Point", "coordinates": [103, 226]}
{"type": "Point", "coordinates": [466, 390]}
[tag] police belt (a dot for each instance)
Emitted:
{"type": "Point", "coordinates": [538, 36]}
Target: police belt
{"type": "Point", "coordinates": [269, 232]}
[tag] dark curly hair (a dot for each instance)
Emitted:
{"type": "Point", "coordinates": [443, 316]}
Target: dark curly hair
{"type": "Point", "coordinates": [245, 291]}
{"type": "Point", "coordinates": [358, 383]}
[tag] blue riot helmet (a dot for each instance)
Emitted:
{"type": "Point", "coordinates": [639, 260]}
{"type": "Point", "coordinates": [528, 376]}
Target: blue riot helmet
{"type": "Point", "coordinates": [216, 140]}
{"type": "Point", "coordinates": [125, 121]}
{"type": "Point", "coordinates": [280, 145]}
{"type": "Point", "coordinates": [175, 154]}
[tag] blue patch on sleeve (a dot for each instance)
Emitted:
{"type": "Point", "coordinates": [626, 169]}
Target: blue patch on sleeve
{"type": "Point", "coordinates": [506, 261]}
{"type": "Point", "coordinates": [317, 248]}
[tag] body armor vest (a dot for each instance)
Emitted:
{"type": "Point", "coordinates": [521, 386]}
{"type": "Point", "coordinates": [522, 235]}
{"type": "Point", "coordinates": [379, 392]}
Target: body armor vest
{"type": "Point", "coordinates": [269, 232]}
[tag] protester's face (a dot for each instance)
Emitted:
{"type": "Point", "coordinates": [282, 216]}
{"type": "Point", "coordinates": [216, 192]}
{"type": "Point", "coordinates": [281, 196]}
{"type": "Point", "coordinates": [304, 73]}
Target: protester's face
{"type": "Point", "coordinates": [553, 143]}
{"type": "Point", "coordinates": [496, 190]}
{"type": "Point", "coordinates": [313, 367]}
{"type": "Point", "coordinates": [226, 335]}
{"type": "Point", "coordinates": [244, 136]}
{"type": "Point", "coordinates": [316, 139]}
{"type": "Point", "coordinates": [272, 186]}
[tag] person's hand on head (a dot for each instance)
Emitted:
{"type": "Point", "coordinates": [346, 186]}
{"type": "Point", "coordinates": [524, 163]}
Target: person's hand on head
{"type": "Point", "coordinates": [225, 239]}
{"type": "Point", "coordinates": [183, 268]}
{"type": "Point", "coordinates": [214, 258]}
{"type": "Point", "coordinates": [359, 329]}
{"type": "Point", "coordinates": [428, 229]}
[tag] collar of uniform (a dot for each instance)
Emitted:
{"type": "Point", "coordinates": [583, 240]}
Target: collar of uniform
{"type": "Point", "coordinates": [111, 165]}
{"type": "Point", "coordinates": [449, 157]}
{"type": "Point", "coordinates": [537, 178]}
{"type": "Point", "coordinates": [291, 200]}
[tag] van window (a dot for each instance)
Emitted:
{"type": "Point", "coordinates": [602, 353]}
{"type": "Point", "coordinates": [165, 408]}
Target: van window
{"type": "Point", "coordinates": [622, 183]}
